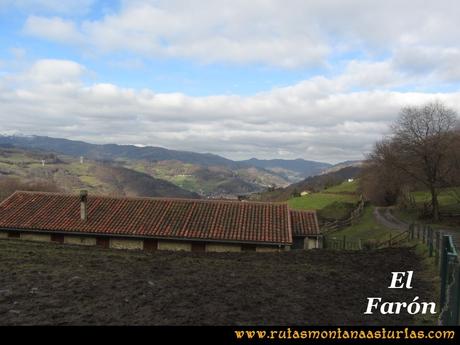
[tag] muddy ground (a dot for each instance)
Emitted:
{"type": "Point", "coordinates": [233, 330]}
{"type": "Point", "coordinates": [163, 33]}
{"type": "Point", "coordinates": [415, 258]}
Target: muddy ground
{"type": "Point", "coordinates": [68, 285]}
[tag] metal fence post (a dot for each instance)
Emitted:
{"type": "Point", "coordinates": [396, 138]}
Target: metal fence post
{"type": "Point", "coordinates": [443, 271]}
{"type": "Point", "coordinates": [436, 247]}
{"type": "Point", "coordinates": [440, 239]}
{"type": "Point", "coordinates": [456, 296]}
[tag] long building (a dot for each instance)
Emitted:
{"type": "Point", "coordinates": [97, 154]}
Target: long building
{"type": "Point", "coordinates": [157, 223]}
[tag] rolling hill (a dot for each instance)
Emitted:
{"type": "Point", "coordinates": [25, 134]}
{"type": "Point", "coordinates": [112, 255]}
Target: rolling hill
{"type": "Point", "coordinates": [112, 151]}
{"type": "Point", "coordinates": [292, 170]}
{"type": "Point", "coordinates": [69, 175]}
{"type": "Point", "coordinates": [212, 181]}
{"type": "Point", "coordinates": [342, 165]}
{"type": "Point", "coordinates": [313, 183]}
{"type": "Point", "coordinates": [206, 174]}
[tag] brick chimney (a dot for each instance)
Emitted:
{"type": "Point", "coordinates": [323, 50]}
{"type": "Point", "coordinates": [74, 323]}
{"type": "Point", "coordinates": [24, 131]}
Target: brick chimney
{"type": "Point", "coordinates": [84, 205]}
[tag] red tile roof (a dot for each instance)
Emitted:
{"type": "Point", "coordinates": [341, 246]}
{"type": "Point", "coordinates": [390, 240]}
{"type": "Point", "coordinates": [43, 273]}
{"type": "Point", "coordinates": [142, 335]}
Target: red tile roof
{"type": "Point", "coordinates": [304, 223]}
{"type": "Point", "coordinates": [153, 217]}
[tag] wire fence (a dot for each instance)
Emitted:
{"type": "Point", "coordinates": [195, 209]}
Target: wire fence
{"type": "Point", "coordinates": [450, 283]}
{"type": "Point", "coordinates": [343, 243]}
{"type": "Point", "coordinates": [442, 247]}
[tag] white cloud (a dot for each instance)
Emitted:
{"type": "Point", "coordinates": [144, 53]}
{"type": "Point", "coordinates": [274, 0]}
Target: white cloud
{"type": "Point", "coordinates": [54, 29]}
{"type": "Point", "coordinates": [438, 62]}
{"type": "Point", "coordinates": [318, 118]}
{"type": "Point", "coordinates": [274, 32]}
{"type": "Point", "coordinates": [369, 75]}
{"type": "Point", "coordinates": [234, 32]}
{"type": "Point", "coordinates": [52, 71]}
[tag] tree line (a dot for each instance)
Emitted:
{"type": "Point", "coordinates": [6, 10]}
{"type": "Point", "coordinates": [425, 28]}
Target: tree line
{"type": "Point", "coordinates": [421, 153]}
{"type": "Point", "coordinates": [8, 185]}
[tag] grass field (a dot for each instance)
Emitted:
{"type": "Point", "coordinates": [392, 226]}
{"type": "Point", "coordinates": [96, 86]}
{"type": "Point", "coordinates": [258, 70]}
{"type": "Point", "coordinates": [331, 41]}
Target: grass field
{"type": "Point", "coordinates": [317, 201]}
{"type": "Point", "coordinates": [366, 229]}
{"type": "Point", "coordinates": [448, 202]}
{"type": "Point", "coordinates": [336, 210]}
{"type": "Point", "coordinates": [344, 187]}
{"type": "Point", "coordinates": [51, 284]}
{"type": "Point", "coordinates": [333, 203]}
{"type": "Point", "coordinates": [446, 198]}
{"type": "Point", "coordinates": [411, 215]}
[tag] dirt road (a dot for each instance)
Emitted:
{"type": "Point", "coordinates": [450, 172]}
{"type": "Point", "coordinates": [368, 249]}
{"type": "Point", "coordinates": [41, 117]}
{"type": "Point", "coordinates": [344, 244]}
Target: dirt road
{"type": "Point", "coordinates": [385, 216]}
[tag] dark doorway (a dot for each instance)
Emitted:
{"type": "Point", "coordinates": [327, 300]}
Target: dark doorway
{"type": "Point", "coordinates": [14, 234]}
{"type": "Point", "coordinates": [150, 245]}
{"type": "Point", "coordinates": [298, 243]}
{"type": "Point", "coordinates": [59, 238]}
{"type": "Point", "coordinates": [248, 247]}
{"type": "Point", "coordinates": [103, 242]}
{"type": "Point", "coordinates": [198, 247]}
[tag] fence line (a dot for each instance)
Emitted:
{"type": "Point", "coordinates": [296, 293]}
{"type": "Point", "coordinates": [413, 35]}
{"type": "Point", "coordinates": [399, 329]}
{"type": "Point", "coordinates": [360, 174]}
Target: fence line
{"type": "Point", "coordinates": [442, 248]}
{"type": "Point", "coordinates": [336, 225]}
{"type": "Point", "coordinates": [426, 235]}
{"type": "Point", "coordinates": [449, 214]}
{"type": "Point", "coordinates": [342, 244]}
{"type": "Point", "coordinates": [395, 240]}
{"type": "Point", "coordinates": [450, 283]}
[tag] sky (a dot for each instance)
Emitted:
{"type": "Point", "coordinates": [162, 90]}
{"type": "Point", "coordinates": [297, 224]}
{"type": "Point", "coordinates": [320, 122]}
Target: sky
{"type": "Point", "coordinates": [318, 79]}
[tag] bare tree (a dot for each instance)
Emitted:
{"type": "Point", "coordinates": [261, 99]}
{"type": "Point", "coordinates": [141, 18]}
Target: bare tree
{"type": "Point", "coordinates": [454, 176]}
{"type": "Point", "coordinates": [8, 185]}
{"type": "Point", "coordinates": [422, 140]}
{"type": "Point", "coordinates": [380, 182]}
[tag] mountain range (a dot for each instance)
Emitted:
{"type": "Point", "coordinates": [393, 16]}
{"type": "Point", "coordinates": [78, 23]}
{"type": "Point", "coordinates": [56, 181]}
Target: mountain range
{"type": "Point", "coordinates": [292, 170]}
{"type": "Point", "coordinates": [204, 174]}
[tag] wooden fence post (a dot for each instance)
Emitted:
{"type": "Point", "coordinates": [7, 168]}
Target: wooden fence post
{"type": "Point", "coordinates": [430, 242]}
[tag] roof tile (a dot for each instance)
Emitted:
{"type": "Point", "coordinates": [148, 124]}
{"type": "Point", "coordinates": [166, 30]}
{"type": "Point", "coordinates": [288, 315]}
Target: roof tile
{"type": "Point", "coordinates": [155, 217]}
{"type": "Point", "coordinates": [304, 223]}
